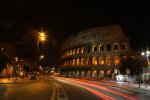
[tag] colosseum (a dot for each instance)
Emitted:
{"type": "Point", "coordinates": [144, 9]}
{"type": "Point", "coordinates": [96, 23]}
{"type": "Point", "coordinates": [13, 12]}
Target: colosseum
{"type": "Point", "coordinates": [95, 52]}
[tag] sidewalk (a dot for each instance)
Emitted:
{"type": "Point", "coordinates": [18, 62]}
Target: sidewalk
{"type": "Point", "coordinates": [14, 80]}
{"type": "Point", "coordinates": [135, 85]}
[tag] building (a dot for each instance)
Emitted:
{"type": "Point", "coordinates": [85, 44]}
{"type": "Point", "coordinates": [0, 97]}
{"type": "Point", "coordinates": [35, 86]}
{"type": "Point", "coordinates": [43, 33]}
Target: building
{"type": "Point", "coordinates": [95, 52]}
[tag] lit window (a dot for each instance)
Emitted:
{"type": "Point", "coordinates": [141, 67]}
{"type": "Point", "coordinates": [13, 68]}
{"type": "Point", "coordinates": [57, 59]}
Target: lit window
{"type": "Point", "coordinates": [109, 61]}
{"type": "Point", "coordinates": [82, 61]}
{"type": "Point", "coordinates": [101, 73]}
{"type": "Point", "coordinates": [78, 50]}
{"type": "Point", "coordinates": [108, 72]}
{"type": "Point", "coordinates": [73, 63]}
{"type": "Point", "coordinates": [94, 61]}
{"type": "Point", "coordinates": [73, 51]}
{"type": "Point", "coordinates": [116, 60]}
{"type": "Point", "coordinates": [87, 61]}
{"type": "Point", "coordinates": [70, 52]}
{"type": "Point", "coordinates": [78, 62]}
{"type": "Point", "coordinates": [82, 50]}
{"type": "Point", "coordinates": [101, 61]}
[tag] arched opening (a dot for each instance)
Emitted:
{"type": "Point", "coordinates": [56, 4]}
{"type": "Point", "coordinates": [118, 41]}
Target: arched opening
{"type": "Point", "coordinates": [101, 47]}
{"type": "Point", "coordinates": [88, 73]}
{"type": "Point", "coordinates": [101, 73]}
{"type": "Point", "coordinates": [78, 62]}
{"type": "Point", "coordinates": [116, 60]}
{"type": "Point", "coordinates": [70, 52]}
{"type": "Point", "coordinates": [109, 47]}
{"type": "Point", "coordinates": [74, 51]}
{"type": "Point", "coordinates": [78, 50]}
{"type": "Point", "coordinates": [73, 63]}
{"type": "Point", "coordinates": [82, 73]}
{"type": "Point", "coordinates": [94, 73]}
{"type": "Point", "coordinates": [87, 61]}
{"type": "Point", "coordinates": [124, 46]}
{"type": "Point", "coordinates": [82, 50]}
{"type": "Point", "coordinates": [101, 61]}
{"type": "Point", "coordinates": [109, 61]}
{"type": "Point", "coordinates": [116, 47]}
{"type": "Point", "coordinates": [108, 72]}
{"type": "Point", "coordinates": [94, 61]}
{"type": "Point", "coordinates": [94, 48]}
{"type": "Point", "coordinates": [82, 61]}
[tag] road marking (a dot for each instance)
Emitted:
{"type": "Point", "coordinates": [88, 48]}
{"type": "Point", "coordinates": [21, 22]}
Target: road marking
{"type": "Point", "coordinates": [61, 94]}
{"type": "Point", "coordinates": [53, 97]}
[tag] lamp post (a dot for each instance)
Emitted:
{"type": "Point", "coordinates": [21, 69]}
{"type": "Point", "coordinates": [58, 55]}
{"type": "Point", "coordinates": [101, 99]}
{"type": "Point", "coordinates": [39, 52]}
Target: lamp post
{"type": "Point", "coordinates": [41, 37]}
{"type": "Point", "coordinates": [146, 53]}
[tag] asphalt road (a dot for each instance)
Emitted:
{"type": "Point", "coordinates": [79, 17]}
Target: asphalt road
{"type": "Point", "coordinates": [56, 88]}
{"type": "Point", "coordinates": [36, 90]}
{"type": "Point", "coordinates": [77, 89]}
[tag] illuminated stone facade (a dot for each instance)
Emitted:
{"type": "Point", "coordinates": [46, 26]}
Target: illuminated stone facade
{"type": "Point", "coordinates": [95, 53]}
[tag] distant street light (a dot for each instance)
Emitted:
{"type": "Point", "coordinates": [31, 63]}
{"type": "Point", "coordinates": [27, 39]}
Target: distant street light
{"type": "Point", "coordinates": [146, 53]}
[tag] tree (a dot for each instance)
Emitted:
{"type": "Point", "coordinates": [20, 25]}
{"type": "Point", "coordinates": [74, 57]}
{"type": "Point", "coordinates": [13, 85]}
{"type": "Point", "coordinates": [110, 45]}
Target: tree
{"type": "Point", "coordinates": [134, 65]}
{"type": "Point", "coordinates": [4, 59]}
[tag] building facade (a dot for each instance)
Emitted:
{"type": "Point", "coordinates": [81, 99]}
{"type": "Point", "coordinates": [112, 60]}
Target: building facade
{"type": "Point", "coordinates": [95, 52]}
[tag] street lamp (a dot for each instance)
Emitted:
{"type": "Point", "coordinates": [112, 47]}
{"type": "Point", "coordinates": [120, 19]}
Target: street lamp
{"type": "Point", "coordinates": [146, 53]}
{"type": "Point", "coordinates": [41, 37]}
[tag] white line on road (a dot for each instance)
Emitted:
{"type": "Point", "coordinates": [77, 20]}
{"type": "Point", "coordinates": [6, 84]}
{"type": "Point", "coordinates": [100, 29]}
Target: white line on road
{"type": "Point", "coordinates": [61, 94]}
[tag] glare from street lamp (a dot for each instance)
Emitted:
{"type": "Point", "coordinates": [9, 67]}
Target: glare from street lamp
{"type": "Point", "coordinates": [142, 53]}
{"type": "Point", "coordinates": [42, 56]}
{"type": "Point", "coordinates": [42, 36]}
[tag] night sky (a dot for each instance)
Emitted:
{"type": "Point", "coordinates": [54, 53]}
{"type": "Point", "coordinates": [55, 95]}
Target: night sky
{"type": "Point", "coordinates": [20, 18]}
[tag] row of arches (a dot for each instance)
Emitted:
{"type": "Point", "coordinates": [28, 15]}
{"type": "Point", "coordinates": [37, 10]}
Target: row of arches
{"type": "Point", "coordinates": [88, 73]}
{"type": "Point", "coordinates": [95, 48]}
{"type": "Point", "coordinates": [108, 47]}
{"type": "Point", "coordinates": [93, 61]}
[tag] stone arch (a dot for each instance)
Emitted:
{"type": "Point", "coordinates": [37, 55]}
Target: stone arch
{"type": "Point", "coordinates": [101, 61]}
{"type": "Point", "coordinates": [116, 47]}
{"type": "Point", "coordinates": [101, 47]}
{"type": "Point", "coordinates": [94, 61]}
{"type": "Point", "coordinates": [101, 73]}
{"type": "Point", "coordinates": [109, 61]}
{"type": "Point", "coordinates": [116, 60]}
{"type": "Point", "coordinates": [82, 61]}
{"type": "Point", "coordinates": [108, 72]}
{"type": "Point", "coordinates": [94, 48]}
{"type": "Point", "coordinates": [82, 50]}
{"type": "Point", "coordinates": [94, 73]}
{"type": "Point", "coordinates": [78, 62]}
{"type": "Point", "coordinates": [78, 50]}
{"type": "Point", "coordinates": [87, 61]}
{"type": "Point", "coordinates": [124, 46]}
{"type": "Point", "coordinates": [73, 62]}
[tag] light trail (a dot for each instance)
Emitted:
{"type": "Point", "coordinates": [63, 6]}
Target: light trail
{"type": "Point", "coordinates": [106, 89]}
{"type": "Point", "coordinates": [100, 95]}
